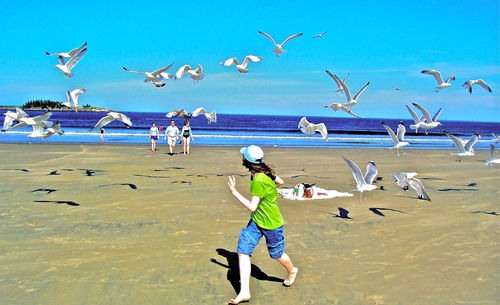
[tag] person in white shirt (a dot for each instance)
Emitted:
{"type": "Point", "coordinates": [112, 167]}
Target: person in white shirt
{"type": "Point", "coordinates": [173, 133]}
{"type": "Point", "coordinates": [153, 136]}
{"type": "Point", "coordinates": [187, 135]}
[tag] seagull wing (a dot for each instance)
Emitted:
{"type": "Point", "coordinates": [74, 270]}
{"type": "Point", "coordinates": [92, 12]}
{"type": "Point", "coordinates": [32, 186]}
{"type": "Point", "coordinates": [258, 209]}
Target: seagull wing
{"type": "Point", "coordinates": [7, 122]}
{"type": "Point", "coordinates": [413, 114]}
{"type": "Point", "coordinates": [199, 70]}
{"type": "Point", "coordinates": [335, 79]}
{"type": "Point", "coordinates": [356, 172]}
{"type": "Point", "coordinates": [424, 112]}
{"type": "Point", "coordinates": [419, 188]}
{"type": "Point", "coordinates": [391, 133]}
{"type": "Point", "coordinates": [361, 91]}
{"type": "Point", "coordinates": [124, 119]}
{"type": "Point", "coordinates": [103, 122]}
{"type": "Point", "coordinates": [344, 86]}
{"type": "Point", "coordinates": [401, 180]}
{"type": "Point", "coordinates": [471, 142]}
{"type": "Point", "coordinates": [291, 37]}
{"type": "Point", "coordinates": [436, 116]}
{"type": "Point", "coordinates": [400, 134]}
{"type": "Point", "coordinates": [371, 172]}
{"type": "Point", "coordinates": [458, 143]}
{"type": "Point", "coordinates": [450, 78]}
{"type": "Point", "coordinates": [74, 51]}
{"type": "Point", "coordinates": [230, 61]}
{"type": "Point", "coordinates": [482, 83]}
{"type": "Point", "coordinates": [138, 72]}
{"type": "Point", "coordinates": [198, 111]}
{"type": "Point", "coordinates": [303, 124]}
{"type": "Point", "coordinates": [21, 114]}
{"type": "Point", "coordinates": [321, 128]}
{"type": "Point", "coordinates": [253, 58]}
{"type": "Point", "coordinates": [172, 113]}
{"type": "Point", "coordinates": [436, 74]}
{"type": "Point", "coordinates": [345, 78]}
{"type": "Point", "coordinates": [349, 111]}
{"type": "Point", "coordinates": [268, 36]}
{"type": "Point", "coordinates": [75, 59]}
{"type": "Point", "coordinates": [162, 69]}
{"type": "Point", "coordinates": [61, 60]}
{"type": "Point", "coordinates": [493, 153]}
{"type": "Point", "coordinates": [181, 71]}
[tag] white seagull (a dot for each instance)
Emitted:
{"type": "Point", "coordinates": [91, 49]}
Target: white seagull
{"type": "Point", "coordinates": [350, 101]}
{"type": "Point", "coordinates": [110, 117]}
{"type": "Point", "coordinates": [154, 77]}
{"type": "Point", "coordinates": [405, 180]}
{"type": "Point", "coordinates": [11, 116]}
{"type": "Point", "coordinates": [53, 130]}
{"type": "Point", "coordinates": [319, 35]}
{"type": "Point", "coordinates": [399, 138]}
{"type": "Point", "coordinates": [493, 156]}
{"type": "Point", "coordinates": [402, 178]}
{"type": "Point", "coordinates": [339, 89]}
{"type": "Point", "coordinates": [437, 75]}
{"type": "Point", "coordinates": [339, 106]}
{"type": "Point", "coordinates": [73, 98]}
{"type": "Point", "coordinates": [363, 184]}
{"type": "Point", "coordinates": [211, 117]}
{"type": "Point", "coordinates": [242, 68]}
{"type": "Point", "coordinates": [196, 74]}
{"type": "Point", "coordinates": [429, 122]}
{"type": "Point", "coordinates": [279, 47]}
{"type": "Point", "coordinates": [66, 67]}
{"type": "Point", "coordinates": [464, 150]}
{"type": "Point", "coordinates": [37, 120]}
{"type": "Point", "coordinates": [468, 84]}
{"type": "Point", "coordinates": [310, 128]}
{"type": "Point", "coordinates": [70, 53]}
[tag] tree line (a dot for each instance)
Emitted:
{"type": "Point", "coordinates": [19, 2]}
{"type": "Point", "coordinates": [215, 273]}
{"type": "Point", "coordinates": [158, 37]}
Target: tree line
{"type": "Point", "coordinates": [48, 104]}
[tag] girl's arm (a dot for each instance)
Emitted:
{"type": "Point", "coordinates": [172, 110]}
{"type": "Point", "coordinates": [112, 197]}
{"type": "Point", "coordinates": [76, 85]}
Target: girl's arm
{"type": "Point", "coordinates": [278, 181]}
{"type": "Point", "coordinates": [191, 134]}
{"type": "Point", "coordinates": [251, 204]}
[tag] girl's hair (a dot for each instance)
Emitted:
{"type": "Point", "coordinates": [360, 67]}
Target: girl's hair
{"type": "Point", "coordinates": [153, 123]}
{"type": "Point", "coordinates": [186, 122]}
{"type": "Point", "coordinates": [260, 168]}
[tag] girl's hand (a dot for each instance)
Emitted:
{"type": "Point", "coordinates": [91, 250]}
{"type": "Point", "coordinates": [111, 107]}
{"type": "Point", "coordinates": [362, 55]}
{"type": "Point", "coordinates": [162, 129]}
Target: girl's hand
{"type": "Point", "coordinates": [231, 183]}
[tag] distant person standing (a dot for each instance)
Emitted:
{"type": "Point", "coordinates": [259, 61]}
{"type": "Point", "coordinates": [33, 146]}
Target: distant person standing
{"type": "Point", "coordinates": [187, 136]}
{"type": "Point", "coordinates": [102, 132]}
{"type": "Point", "coordinates": [153, 136]}
{"type": "Point", "coordinates": [172, 133]}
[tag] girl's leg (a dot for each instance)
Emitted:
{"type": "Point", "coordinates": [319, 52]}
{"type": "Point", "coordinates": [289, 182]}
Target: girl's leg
{"type": "Point", "coordinates": [188, 140]}
{"type": "Point", "coordinates": [286, 262]}
{"type": "Point", "coordinates": [184, 142]}
{"type": "Point", "coordinates": [245, 268]}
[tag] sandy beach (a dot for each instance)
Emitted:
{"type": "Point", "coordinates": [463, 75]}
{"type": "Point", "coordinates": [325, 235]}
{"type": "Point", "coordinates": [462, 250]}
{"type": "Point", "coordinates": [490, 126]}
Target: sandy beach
{"type": "Point", "coordinates": [124, 225]}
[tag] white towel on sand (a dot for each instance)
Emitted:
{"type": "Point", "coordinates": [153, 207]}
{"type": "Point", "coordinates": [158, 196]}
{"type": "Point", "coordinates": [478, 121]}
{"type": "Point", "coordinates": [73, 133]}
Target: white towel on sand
{"type": "Point", "coordinates": [318, 193]}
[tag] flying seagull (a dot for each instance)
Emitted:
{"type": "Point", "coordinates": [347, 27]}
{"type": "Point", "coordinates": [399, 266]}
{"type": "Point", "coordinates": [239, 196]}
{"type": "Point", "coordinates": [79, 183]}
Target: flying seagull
{"type": "Point", "coordinates": [493, 156]}
{"type": "Point", "coordinates": [182, 113]}
{"type": "Point", "coordinates": [110, 117]}
{"type": "Point", "coordinates": [73, 98]}
{"type": "Point", "coordinates": [363, 184]}
{"type": "Point", "coordinates": [399, 138]}
{"type": "Point", "coordinates": [406, 180]}
{"type": "Point", "coordinates": [319, 35]}
{"type": "Point", "coordinates": [495, 138]}
{"type": "Point", "coordinates": [440, 83]}
{"type": "Point", "coordinates": [70, 53]}
{"type": "Point", "coordinates": [310, 128]}
{"type": "Point", "coordinates": [339, 106]}
{"type": "Point", "coordinates": [154, 77]}
{"type": "Point", "coordinates": [66, 67]}
{"type": "Point", "coordinates": [468, 85]}
{"type": "Point", "coordinates": [464, 150]}
{"type": "Point", "coordinates": [196, 74]}
{"type": "Point", "coordinates": [279, 47]}
{"type": "Point", "coordinates": [242, 68]}
{"type": "Point", "coordinates": [11, 116]}
{"type": "Point", "coordinates": [53, 130]}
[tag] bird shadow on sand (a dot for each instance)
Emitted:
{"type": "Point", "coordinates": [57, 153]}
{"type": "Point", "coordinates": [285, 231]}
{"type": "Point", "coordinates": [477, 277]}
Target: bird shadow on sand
{"type": "Point", "coordinates": [343, 213]}
{"type": "Point", "coordinates": [484, 212]}
{"type": "Point", "coordinates": [457, 190]}
{"type": "Point", "coordinates": [378, 211]}
{"type": "Point", "coordinates": [233, 272]}
{"type": "Point", "coordinates": [71, 203]}
{"type": "Point", "coordinates": [430, 178]}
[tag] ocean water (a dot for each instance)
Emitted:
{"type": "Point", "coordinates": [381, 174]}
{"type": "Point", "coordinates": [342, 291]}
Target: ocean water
{"type": "Point", "coordinates": [264, 130]}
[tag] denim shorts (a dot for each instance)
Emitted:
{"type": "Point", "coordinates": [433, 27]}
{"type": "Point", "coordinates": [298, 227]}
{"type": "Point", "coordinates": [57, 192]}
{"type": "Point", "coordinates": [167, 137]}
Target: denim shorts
{"type": "Point", "coordinates": [251, 235]}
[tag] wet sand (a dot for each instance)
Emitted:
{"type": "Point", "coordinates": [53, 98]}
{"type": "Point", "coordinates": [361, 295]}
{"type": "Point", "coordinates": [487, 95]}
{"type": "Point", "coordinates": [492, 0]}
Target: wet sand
{"type": "Point", "coordinates": [171, 240]}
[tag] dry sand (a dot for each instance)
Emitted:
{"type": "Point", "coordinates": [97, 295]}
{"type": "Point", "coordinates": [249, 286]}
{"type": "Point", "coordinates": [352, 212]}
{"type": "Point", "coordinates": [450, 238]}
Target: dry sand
{"type": "Point", "coordinates": [157, 244]}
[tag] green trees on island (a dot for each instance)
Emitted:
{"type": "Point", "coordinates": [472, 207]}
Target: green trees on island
{"type": "Point", "coordinates": [47, 104]}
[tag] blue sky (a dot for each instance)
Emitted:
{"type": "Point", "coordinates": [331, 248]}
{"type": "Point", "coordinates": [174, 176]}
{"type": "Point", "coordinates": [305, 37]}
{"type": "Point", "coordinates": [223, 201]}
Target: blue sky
{"type": "Point", "coordinates": [384, 42]}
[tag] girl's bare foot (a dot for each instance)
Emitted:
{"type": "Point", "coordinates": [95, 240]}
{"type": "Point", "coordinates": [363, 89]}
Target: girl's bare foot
{"type": "Point", "coordinates": [240, 299]}
{"type": "Point", "coordinates": [291, 277]}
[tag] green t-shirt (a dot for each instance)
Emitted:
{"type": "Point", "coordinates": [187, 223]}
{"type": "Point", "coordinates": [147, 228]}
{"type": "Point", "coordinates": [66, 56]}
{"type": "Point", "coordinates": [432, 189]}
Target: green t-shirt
{"type": "Point", "coordinates": [267, 215]}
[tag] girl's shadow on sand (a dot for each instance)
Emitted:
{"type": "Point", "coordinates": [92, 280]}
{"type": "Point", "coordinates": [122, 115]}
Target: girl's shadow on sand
{"type": "Point", "coordinates": [233, 272]}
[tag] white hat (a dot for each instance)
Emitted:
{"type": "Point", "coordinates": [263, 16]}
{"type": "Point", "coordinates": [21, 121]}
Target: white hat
{"type": "Point", "coordinates": [253, 154]}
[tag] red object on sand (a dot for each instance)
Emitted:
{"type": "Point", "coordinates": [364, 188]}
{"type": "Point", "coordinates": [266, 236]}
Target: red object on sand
{"type": "Point", "coordinates": [161, 128]}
